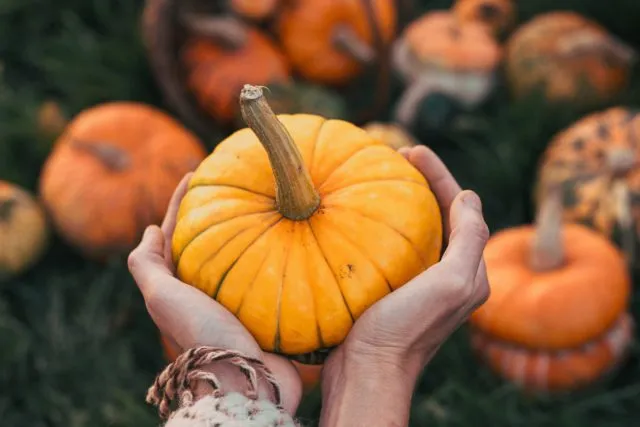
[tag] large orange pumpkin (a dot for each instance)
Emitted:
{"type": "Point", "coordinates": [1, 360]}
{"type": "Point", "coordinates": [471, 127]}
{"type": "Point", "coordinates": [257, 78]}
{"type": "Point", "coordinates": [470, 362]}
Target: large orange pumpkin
{"type": "Point", "coordinates": [299, 224]}
{"type": "Point", "coordinates": [112, 173]}
{"type": "Point", "coordinates": [569, 58]}
{"type": "Point", "coordinates": [498, 15]}
{"type": "Point", "coordinates": [439, 54]}
{"type": "Point", "coordinates": [557, 316]}
{"type": "Point", "coordinates": [329, 42]}
{"type": "Point", "coordinates": [215, 74]}
{"type": "Point", "coordinates": [23, 230]}
{"type": "Point", "coordinates": [596, 160]}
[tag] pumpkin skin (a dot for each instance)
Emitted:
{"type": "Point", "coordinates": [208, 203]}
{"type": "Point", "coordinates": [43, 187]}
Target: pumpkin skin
{"type": "Point", "coordinates": [215, 75]}
{"type": "Point", "coordinates": [577, 159]}
{"type": "Point", "coordinates": [23, 230]}
{"type": "Point", "coordinates": [298, 285]}
{"type": "Point", "coordinates": [569, 58]}
{"type": "Point", "coordinates": [392, 135]}
{"type": "Point", "coordinates": [498, 15]}
{"type": "Point", "coordinates": [308, 29]}
{"type": "Point", "coordinates": [255, 10]}
{"type": "Point", "coordinates": [459, 60]}
{"type": "Point", "coordinates": [112, 173]}
{"type": "Point", "coordinates": [170, 349]}
{"type": "Point", "coordinates": [558, 329]}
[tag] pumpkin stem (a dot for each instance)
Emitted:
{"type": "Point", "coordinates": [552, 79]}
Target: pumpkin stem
{"type": "Point", "coordinates": [548, 250]}
{"type": "Point", "coordinates": [296, 196]}
{"type": "Point", "coordinates": [226, 31]}
{"type": "Point", "coordinates": [622, 208]}
{"type": "Point", "coordinates": [346, 40]}
{"type": "Point", "coordinates": [6, 209]}
{"type": "Point", "coordinates": [113, 158]}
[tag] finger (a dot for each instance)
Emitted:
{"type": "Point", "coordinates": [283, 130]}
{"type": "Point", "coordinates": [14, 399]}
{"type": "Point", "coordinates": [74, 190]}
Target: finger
{"type": "Point", "coordinates": [442, 183]}
{"type": "Point", "coordinates": [469, 235]}
{"type": "Point", "coordinates": [146, 262]}
{"type": "Point", "coordinates": [405, 151]}
{"type": "Point", "coordinates": [169, 222]}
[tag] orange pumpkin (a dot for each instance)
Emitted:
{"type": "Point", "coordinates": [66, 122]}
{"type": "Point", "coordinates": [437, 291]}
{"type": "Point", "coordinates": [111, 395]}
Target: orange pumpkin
{"type": "Point", "coordinates": [23, 230]}
{"type": "Point", "coordinates": [112, 173]}
{"type": "Point", "coordinates": [299, 224]}
{"type": "Point", "coordinates": [438, 54]}
{"type": "Point", "coordinates": [391, 134]}
{"type": "Point", "coordinates": [596, 161]}
{"type": "Point", "coordinates": [498, 15]}
{"type": "Point", "coordinates": [569, 58]}
{"type": "Point", "coordinates": [329, 42]}
{"type": "Point", "coordinates": [557, 316]}
{"type": "Point", "coordinates": [256, 10]}
{"type": "Point", "coordinates": [216, 74]}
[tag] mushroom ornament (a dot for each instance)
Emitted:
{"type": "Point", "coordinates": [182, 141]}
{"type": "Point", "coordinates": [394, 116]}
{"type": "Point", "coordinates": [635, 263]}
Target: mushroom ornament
{"type": "Point", "coordinates": [441, 57]}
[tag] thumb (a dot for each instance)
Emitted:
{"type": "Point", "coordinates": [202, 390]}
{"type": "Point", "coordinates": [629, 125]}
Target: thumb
{"type": "Point", "coordinates": [146, 262]}
{"type": "Point", "coordinates": [469, 235]}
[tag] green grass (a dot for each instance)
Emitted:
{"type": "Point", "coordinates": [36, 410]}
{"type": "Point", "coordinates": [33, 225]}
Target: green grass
{"type": "Point", "coordinates": [76, 346]}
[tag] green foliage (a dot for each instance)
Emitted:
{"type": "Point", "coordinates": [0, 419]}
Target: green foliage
{"type": "Point", "coordinates": [76, 345]}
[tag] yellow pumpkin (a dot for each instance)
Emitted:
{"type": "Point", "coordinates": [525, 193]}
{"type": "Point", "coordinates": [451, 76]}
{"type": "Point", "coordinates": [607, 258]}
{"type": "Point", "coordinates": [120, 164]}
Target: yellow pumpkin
{"type": "Point", "coordinates": [299, 224]}
{"type": "Point", "coordinates": [23, 230]}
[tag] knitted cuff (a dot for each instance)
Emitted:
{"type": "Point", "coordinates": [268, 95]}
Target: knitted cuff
{"type": "Point", "coordinates": [231, 410]}
{"type": "Point", "coordinates": [180, 377]}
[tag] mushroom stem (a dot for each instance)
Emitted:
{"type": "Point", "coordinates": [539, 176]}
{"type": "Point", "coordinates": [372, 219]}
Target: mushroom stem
{"type": "Point", "coordinates": [345, 39]}
{"type": "Point", "coordinates": [548, 250]}
{"type": "Point", "coordinates": [296, 196]}
{"type": "Point", "coordinates": [226, 31]}
{"type": "Point", "coordinates": [114, 158]}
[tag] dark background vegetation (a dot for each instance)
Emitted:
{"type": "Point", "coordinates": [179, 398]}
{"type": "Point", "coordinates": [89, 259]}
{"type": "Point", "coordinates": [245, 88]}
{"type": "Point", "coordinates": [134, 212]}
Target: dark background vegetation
{"type": "Point", "coordinates": [76, 346]}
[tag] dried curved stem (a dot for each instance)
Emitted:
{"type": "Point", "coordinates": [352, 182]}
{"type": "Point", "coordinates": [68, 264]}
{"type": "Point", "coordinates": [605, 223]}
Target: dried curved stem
{"type": "Point", "coordinates": [226, 31]}
{"type": "Point", "coordinates": [296, 197]}
{"type": "Point", "coordinates": [114, 158]}
{"type": "Point", "coordinates": [547, 252]}
{"type": "Point", "coordinates": [345, 39]}
{"type": "Point", "coordinates": [621, 160]}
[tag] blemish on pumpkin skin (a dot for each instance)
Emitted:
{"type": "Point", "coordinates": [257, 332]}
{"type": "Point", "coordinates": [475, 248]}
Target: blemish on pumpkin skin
{"type": "Point", "coordinates": [347, 271]}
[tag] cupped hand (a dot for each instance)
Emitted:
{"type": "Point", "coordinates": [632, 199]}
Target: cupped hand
{"type": "Point", "coordinates": [408, 326]}
{"type": "Point", "coordinates": [190, 318]}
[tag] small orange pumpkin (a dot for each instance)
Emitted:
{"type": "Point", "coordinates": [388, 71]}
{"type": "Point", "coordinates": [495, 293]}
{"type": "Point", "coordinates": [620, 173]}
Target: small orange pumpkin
{"type": "Point", "coordinates": [437, 53]}
{"type": "Point", "coordinates": [216, 74]}
{"type": "Point", "coordinates": [170, 349]}
{"type": "Point", "coordinates": [557, 316]}
{"type": "Point", "coordinates": [569, 58]}
{"type": "Point", "coordinates": [329, 42]}
{"type": "Point", "coordinates": [112, 173]}
{"type": "Point", "coordinates": [596, 160]}
{"type": "Point", "coordinates": [23, 230]}
{"type": "Point", "coordinates": [255, 10]}
{"type": "Point", "coordinates": [391, 134]}
{"type": "Point", "coordinates": [301, 228]}
{"type": "Point", "coordinates": [498, 15]}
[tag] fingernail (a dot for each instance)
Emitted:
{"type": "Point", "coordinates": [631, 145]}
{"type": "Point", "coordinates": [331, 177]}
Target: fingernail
{"type": "Point", "coordinates": [471, 199]}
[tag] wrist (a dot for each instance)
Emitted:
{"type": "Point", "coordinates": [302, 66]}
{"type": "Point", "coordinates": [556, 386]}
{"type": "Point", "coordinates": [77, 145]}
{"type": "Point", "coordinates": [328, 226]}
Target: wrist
{"type": "Point", "coordinates": [232, 380]}
{"type": "Point", "coordinates": [362, 389]}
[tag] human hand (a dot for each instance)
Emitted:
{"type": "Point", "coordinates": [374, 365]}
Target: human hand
{"type": "Point", "coordinates": [190, 318]}
{"type": "Point", "coordinates": [369, 379]}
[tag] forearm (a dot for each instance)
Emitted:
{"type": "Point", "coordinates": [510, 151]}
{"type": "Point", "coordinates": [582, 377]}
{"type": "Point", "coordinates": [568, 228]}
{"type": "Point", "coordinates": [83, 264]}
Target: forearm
{"type": "Point", "coordinates": [366, 393]}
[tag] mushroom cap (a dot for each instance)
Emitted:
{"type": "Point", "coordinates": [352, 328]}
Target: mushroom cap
{"type": "Point", "coordinates": [557, 309]}
{"type": "Point", "coordinates": [439, 38]}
